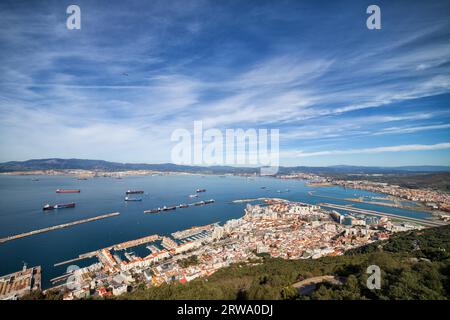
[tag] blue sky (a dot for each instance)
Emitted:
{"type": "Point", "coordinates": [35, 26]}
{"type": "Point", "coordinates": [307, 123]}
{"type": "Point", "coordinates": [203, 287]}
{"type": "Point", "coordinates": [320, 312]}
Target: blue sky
{"type": "Point", "coordinates": [338, 92]}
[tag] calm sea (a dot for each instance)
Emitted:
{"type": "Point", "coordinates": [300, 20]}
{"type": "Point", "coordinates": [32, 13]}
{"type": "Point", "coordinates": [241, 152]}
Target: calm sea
{"type": "Point", "coordinates": [21, 201]}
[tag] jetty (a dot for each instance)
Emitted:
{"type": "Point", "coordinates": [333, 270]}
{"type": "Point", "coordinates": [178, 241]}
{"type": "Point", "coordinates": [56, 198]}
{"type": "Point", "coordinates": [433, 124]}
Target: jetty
{"type": "Point", "coordinates": [80, 257]}
{"type": "Point", "coordinates": [59, 226]}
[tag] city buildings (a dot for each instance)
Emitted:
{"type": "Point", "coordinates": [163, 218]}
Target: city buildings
{"type": "Point", "coordinates": [275, 227]}
{"type": "Point", "coordinates": [17, 284]}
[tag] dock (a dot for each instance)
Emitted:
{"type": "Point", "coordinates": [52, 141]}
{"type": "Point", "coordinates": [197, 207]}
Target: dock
{"type": "Point", "coordinates": [57, 227]}
{"type": "Point", "coordinates": [424, 222]}
{"type": "Point", "coordinates": [119, 246]}
{"type": "Point", "coordinates": [136, 242]}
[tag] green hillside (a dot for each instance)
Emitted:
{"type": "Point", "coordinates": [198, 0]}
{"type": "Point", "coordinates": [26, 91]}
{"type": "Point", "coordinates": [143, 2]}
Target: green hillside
{"type": "Point", "coordinates": [414, 265]}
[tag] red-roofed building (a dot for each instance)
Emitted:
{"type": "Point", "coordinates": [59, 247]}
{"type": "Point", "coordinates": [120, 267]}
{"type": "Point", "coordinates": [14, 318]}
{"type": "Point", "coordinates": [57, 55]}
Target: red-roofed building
{"type": "Point", "coordinates": [183, 280]}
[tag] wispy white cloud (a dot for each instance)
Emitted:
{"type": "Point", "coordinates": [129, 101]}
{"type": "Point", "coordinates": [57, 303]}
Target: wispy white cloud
{"type": "Point", "coordinates": [69, 88]}
{"type": "Point", "coordinates": [393, 130]}
{"type": "Point", "coordinates": [399, 148]}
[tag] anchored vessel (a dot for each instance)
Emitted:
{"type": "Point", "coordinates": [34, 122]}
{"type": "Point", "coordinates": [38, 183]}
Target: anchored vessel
{"type": "Point", "coordinates": [132, 199]}
{"type": "Point", "coordinates": [59, 206]}
{"type": "Point", "coordinates": [134, 192]}
{"type": "Point", "coordinates": [168, 208]}
{"type": "Point", "coordinates": [182, 205]}
{"type": "Point", "coordinates": [201, 203]}
{"type": "Point", "coordinates": [68, 190]}
{"type": "Point", "coordinates": [153, 210]}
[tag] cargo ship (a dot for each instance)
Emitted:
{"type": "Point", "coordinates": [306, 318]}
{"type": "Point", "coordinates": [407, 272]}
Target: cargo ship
{"type": "Point", "coordinates": [134, 192]}
{"type": "Point", "coordinates": [58, 206]}
{"type": "Point", "coordinates": [193, 196]}
{"type": "Point", "coordinates": [201, 190]}
{"type": "Point", "coordinates": [132, 199]}
{"type": "Point", "coordinates": [168, 208]}
{"type": "Point", "coordinates": [183, 205]}
{"type": "Point", "coordinates": [201, 203]}
{"type": "Point", "coordinates": [68, 190]}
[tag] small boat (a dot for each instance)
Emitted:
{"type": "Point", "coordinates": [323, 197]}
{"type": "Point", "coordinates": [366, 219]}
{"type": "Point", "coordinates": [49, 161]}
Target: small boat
{"type": "Point", "coordinates": [58, 206]}
{"type": "Point", "coordinates": [168, 208]}
{"type": "Point", "coordinates": [35, 179]}
{"type": "Point", "coordinates": [132, 199]}
{"type": "Point", "coordinates": [68, 190]}
{"type": "Point", "coordinates": [209, 201]}
{"type": "Point", "coordinates": [200, 190]}
{"type": "Point", "coordinates": [193, 196]}
{"type": "Point", "coordinates": [200, 203]}
{"type": "Point", "coordinates": [183, 205]}
{"type": "Point", "coordinates": [134, 192]}
{"type": "Point", "coordinates": [263, 187]}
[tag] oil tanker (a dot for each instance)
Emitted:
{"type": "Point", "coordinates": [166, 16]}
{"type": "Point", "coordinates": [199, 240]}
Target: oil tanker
{"type": "Point", "coordinates": [58, 206]}
{"type": "Point", "coordinates": [168, 208]}
{"type": "Point", "coordinates": [68, 190]}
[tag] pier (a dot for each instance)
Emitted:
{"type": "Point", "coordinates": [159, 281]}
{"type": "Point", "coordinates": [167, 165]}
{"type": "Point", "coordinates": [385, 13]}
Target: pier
{"type": "Point", "coordinates": [424, 222]}
{"type": "Point", "coordinates": [60, 226]}
{"type": "Point", "coordinates": [247, 200]}
{"type": "Point", "coordinates": [119, 246]}
{"type": "Point", "coordinates": [136, 242]}
{"type": "Point", "coordinates": [80, 257]}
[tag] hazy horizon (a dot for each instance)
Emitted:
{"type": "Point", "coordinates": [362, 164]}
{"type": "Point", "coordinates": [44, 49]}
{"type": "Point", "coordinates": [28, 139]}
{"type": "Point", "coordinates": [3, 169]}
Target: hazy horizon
{"type": "Point", "coordinates": [224, 165]}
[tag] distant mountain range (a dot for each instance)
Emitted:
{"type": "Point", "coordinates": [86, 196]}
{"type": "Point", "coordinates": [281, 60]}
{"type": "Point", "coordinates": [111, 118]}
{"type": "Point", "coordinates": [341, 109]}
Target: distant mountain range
{"type": "Point", "coordinates": [101, 165]}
